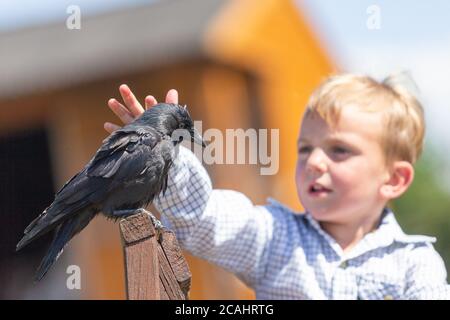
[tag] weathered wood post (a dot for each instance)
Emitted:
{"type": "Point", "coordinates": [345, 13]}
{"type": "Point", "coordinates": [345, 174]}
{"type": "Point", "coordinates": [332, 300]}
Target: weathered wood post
{"type": "Point", "coordinates": [155, 268]}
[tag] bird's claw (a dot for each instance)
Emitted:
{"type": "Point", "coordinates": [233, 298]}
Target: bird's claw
{"type": "Point", "coordinates": [156, 223]}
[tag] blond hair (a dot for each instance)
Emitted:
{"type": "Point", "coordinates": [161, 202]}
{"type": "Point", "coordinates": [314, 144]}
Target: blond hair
{"type": "Point", "coordinates": [404, 125]}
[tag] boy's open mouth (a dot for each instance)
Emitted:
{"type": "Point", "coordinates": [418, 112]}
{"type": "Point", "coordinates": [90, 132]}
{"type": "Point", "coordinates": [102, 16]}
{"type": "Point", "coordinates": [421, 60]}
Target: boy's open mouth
{"type": "Point", "coordinates": [316, 189]}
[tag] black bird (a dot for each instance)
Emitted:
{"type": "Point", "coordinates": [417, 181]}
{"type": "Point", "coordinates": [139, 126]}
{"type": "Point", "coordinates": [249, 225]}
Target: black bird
{"type": "Point", "coordinates": [126, 173]}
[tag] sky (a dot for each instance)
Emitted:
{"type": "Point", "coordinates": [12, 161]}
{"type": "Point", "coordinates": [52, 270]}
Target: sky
{"type": "Point", "coordinates": [414, 35]}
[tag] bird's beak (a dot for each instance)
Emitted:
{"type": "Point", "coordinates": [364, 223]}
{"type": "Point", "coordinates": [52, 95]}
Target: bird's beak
{"type": "Point", "coordinates": [197, 138]}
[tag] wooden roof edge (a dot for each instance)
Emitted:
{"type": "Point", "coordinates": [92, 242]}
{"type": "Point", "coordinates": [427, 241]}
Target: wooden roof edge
{"type": "Point", "coordinates": [52, 56]}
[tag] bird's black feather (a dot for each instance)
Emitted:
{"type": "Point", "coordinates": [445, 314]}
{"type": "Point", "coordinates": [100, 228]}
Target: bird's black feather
{"type": "Point", "coordinates": [128, 170]}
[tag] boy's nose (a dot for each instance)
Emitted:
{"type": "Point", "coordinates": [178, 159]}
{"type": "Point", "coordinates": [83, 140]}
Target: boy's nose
{"type": "Point", "coordinates": [316, 162]}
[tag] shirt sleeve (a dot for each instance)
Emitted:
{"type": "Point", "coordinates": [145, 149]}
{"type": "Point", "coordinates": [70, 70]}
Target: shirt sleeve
{"type": "Point", "coordinates": [426, 276]}
{"type": "Point", "coordinates": [221, 226]}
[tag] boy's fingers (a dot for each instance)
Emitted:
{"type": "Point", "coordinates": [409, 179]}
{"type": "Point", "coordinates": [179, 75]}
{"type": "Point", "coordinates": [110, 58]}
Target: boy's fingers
{"type": "Point", "coordinates": [150, 101]}
{"type": "Point", "coordinates": [110, 127]}
{"type": "Point", "coordinates": [130, 100]}
{"type": "Point", "coordinates": [120, 110]}
{"type": "Point", "coordinates": [172, 96]}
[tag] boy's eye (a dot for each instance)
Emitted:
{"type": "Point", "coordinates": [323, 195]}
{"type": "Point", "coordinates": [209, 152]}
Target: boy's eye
{"type": "Point", "coordinates": [339, 150]}
{"type": "Point", "coordinates": [304, 149]}
{"type": "Point", "coordinates": [339, 153]}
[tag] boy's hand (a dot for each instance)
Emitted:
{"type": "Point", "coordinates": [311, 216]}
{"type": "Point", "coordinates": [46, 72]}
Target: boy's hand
{"type": "Point", "coordinates": [132, 108]}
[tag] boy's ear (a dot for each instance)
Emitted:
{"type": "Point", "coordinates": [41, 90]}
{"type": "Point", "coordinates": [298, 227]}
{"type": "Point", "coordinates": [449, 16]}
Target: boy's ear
{"type": "Point", "coordinates": [400, 178]}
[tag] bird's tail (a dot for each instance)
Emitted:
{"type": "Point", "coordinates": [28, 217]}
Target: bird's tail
{"type": "Point", "coordinates": [65, 231]}
{"type": "Point", "coordinates": [51, 218]}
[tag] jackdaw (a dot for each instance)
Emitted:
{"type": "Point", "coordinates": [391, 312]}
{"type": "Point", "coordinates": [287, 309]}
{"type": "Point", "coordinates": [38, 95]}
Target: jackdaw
{"type": "Point", "coordinates": [125, 174]}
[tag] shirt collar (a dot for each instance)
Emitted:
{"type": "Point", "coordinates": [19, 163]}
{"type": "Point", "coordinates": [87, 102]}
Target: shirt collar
{"type": "Point", "coordinates": [388, 232]}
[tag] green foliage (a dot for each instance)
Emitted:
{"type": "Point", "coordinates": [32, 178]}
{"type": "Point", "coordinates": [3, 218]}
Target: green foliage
{"type": "Point", "coordinates": [425, 208]}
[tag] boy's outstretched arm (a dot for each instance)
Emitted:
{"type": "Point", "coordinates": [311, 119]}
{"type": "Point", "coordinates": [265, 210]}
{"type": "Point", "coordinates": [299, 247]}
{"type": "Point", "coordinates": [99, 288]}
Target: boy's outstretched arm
{"type": "Point", "coordinates": [221, 226]}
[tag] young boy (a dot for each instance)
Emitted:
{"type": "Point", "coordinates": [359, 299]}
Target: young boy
{"type": "Point", "coordinates": [358, 141]}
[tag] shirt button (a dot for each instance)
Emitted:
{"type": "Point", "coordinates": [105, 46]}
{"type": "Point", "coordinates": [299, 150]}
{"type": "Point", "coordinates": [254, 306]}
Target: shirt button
{"type": "Point", "coordinates": [343, 265]}
{"type": "Point", "coordinates": [388, 297]}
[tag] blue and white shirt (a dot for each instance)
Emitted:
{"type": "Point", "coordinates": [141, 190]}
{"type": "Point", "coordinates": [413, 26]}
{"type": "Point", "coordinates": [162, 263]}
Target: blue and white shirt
{"type": "Point", "coordinates": [285, 255]}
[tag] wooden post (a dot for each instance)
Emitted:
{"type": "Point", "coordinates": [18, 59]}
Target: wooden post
{"type": "Point", "coordinates": [155, 268]}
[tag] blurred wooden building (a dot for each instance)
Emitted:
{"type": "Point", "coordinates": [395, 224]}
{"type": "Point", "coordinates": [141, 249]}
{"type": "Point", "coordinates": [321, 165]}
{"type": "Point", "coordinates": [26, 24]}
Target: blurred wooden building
{"type": "Point", "coordinates": [236, 64]}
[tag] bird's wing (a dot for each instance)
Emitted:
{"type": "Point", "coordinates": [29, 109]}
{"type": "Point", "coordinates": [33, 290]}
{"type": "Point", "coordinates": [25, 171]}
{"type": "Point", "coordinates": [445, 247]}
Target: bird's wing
{"type": "Point", "coordinates": [95, 181]}
{"type": "Point", "coordinates": [116, 149]}
{"type": "Point", "coordinates": [122, 147]}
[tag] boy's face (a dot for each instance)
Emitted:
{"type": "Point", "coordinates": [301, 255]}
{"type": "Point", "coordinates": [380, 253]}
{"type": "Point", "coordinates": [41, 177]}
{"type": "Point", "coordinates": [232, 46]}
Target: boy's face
{"type": "Point", "coordinates": [340, 170]}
